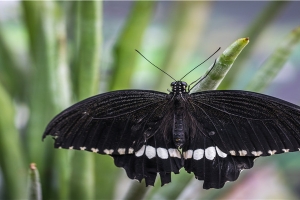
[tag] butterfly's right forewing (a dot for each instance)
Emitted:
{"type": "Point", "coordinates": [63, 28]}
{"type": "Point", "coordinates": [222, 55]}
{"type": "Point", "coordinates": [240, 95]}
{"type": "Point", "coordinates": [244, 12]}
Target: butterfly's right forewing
{"type": "Point", "coordinates": [245, 123]}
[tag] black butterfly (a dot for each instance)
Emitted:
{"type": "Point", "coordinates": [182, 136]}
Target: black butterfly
{"type": "Point", "coordinates": [214, 134]}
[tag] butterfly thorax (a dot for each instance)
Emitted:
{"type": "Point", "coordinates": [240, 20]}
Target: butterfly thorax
{"type": "Point", "coordinates": [178, 87]}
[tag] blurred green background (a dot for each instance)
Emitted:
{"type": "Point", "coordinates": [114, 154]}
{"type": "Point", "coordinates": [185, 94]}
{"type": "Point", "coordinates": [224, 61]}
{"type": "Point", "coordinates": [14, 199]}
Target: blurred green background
{"type": "Point", "coordinates": [53, 54]}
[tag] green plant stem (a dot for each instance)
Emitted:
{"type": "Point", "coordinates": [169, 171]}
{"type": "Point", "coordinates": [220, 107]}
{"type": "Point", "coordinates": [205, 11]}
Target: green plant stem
{"type": "Point", "coordinates": [35, 191]}
{"type": "Point", "coordinates": [42, 34]}
{"type": "Point", "coordinates": [11, 159]}
{"type": "Point", "coordinates": [82, 180]}
{"type": "Point", "coordinates": [11, 75]}
{"type": "Point", "coordinates": [130, 39]}
{"type": "Point", "coordinates": [50, 87]}
{"type": "Point", "coordinates": [89, 48]}
{"type": "Point", "coordinates": [253, 32]}
{"type": "Point", "coordinates": [275, 62]}
{"type": "Point", "coordinates": [62, 100]}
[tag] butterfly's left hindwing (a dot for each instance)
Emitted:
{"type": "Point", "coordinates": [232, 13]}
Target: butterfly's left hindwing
{"type": "Point", "coordinates": [247, 124]}
{"type": "Point", "coordinates": [157, 155]}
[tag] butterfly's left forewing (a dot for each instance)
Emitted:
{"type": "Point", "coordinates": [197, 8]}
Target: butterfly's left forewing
{"type": "Point", "coordinates": [108, 123]}
{"type": "Point", "coordinates": [122, 124]}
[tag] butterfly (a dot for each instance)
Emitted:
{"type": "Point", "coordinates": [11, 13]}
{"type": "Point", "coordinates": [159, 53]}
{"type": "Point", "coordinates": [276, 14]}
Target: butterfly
{"type": "Point", "coordinates": [214, 134]}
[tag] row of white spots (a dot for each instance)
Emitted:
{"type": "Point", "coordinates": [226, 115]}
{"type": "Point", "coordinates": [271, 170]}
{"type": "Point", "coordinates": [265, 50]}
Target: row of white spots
{"type": "Point", "coordinates": [209, 153]}
{"type": "Point", "coordinates": [121, 151]}
{"type": "Point", "coordinates": [162, 153]}
{"type": "Point", "coordinates": [257, 153]}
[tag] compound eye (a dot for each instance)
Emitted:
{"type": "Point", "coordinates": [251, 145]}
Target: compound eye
{"type": "Point", "coordinates": [184, 83]}
{"type": "Point", "coordinates": [173, 83]}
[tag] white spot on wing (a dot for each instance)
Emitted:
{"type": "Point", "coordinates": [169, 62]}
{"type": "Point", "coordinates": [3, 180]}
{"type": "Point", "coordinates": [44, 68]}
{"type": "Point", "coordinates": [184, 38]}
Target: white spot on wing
{"type": "Point", "coordinates": [71, 147]}
{"type": "Point", "coordinates": [150, 152]}
{"type": "Point", "coordinates": [257, 153]}
{"type": "Point", "coordinates": [94, 150]}
{"type": "Point", "coordinates": [188, 154]}
{"type": "Point", "coordinates": [221, 153]}
{"type": "Point", "coordinates": [285, 150]}
{"type": "Point", "coordinates": [82, 148]}
{"type": "Point", "coordinates": [140, 152]}
{"type": "Point", "coordinates": [60, 147]}
{"type": "Point", "coordinates": [272, 152]}
{"type": "Point", "coordinates": [198, 154]}
{"type": "Point", "coordinates": [243, 152]}
{"type": "Point", "coordinates": [210, 153]}
{"type": "Point", "coordinates": [162, 153]}
{"type": "Point", "coordinates": [121, 151]}
{"type": "Point", "coordinates": [108, 151]}
{"type": "Point", "coordinates": [174, 153]}
{"type": "Point", "coordinates": [232, 152]}
{"type": "Point", "coordinates": [130, 150]}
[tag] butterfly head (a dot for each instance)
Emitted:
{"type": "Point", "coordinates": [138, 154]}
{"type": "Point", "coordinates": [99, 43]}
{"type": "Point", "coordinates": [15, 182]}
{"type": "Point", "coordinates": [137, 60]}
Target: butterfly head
{"type": "Point", "coordinates": [179, 87]}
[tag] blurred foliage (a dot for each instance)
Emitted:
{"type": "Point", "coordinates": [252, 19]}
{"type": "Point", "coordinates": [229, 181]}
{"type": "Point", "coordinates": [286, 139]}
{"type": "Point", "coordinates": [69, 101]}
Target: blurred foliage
{"type": "Point", "coordinates": [56, 60]}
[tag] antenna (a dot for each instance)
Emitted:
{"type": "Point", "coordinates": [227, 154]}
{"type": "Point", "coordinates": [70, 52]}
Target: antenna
{"type": "Point", "coordinates": [200, 63]}
{"type": "Point", "coordinates": [155, 65]}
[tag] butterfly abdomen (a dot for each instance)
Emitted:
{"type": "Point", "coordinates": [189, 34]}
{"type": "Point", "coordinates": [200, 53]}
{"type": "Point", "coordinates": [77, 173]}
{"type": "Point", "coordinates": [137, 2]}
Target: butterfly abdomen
{"type": "Point", "coordinates": [178, 124]}
{"type": "Point", "coordinates": [178, 131]}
